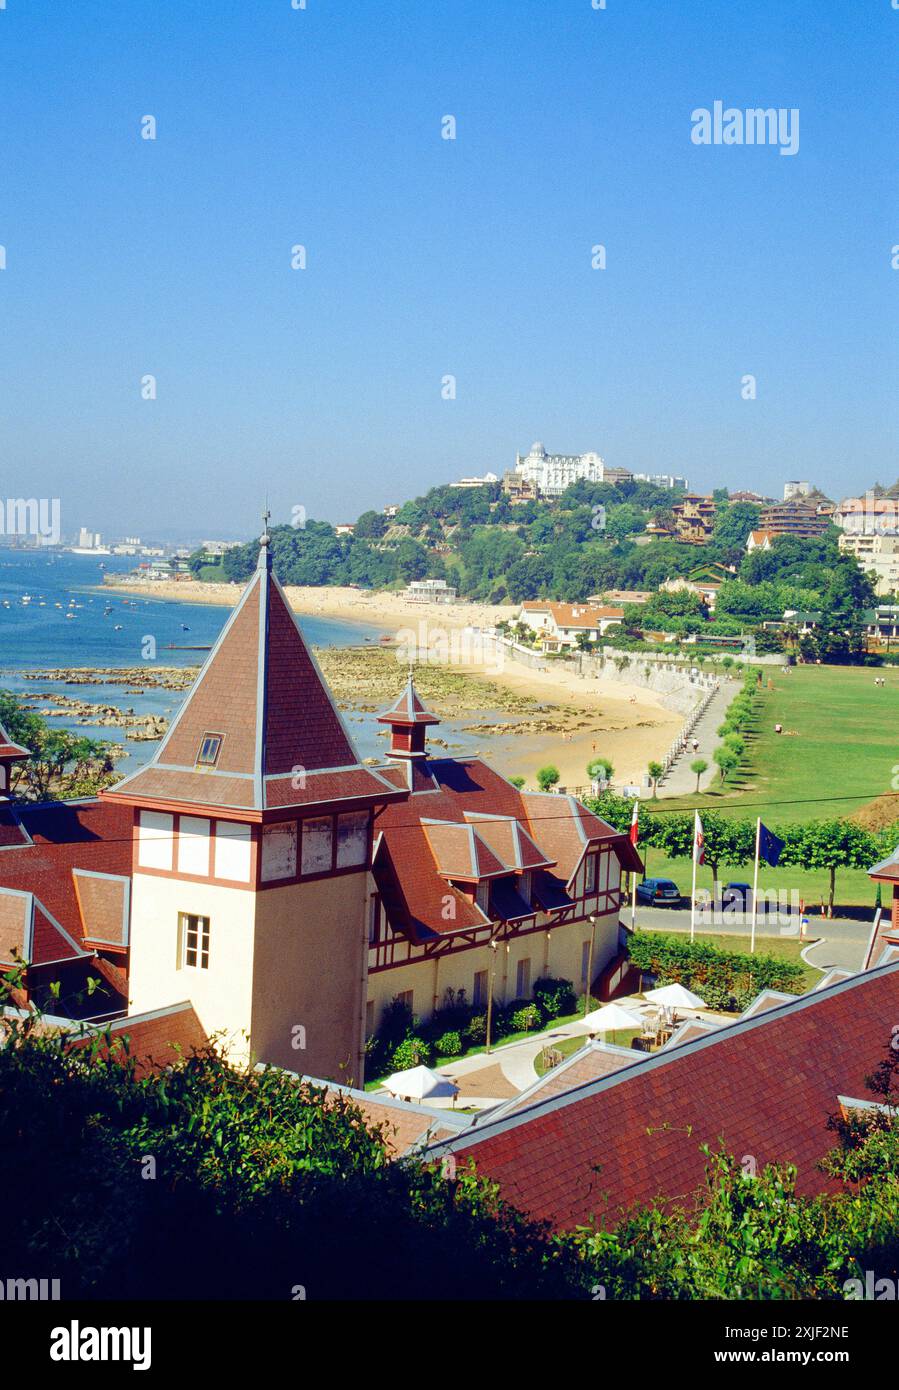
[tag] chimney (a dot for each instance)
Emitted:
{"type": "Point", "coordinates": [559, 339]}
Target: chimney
{"type": "Point", "coordinates": [408, 719]}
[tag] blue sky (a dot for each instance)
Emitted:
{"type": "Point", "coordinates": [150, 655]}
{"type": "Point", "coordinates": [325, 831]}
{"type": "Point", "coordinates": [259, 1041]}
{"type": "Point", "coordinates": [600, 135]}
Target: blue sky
{"type": "Point", "coordinates": [429, 257]}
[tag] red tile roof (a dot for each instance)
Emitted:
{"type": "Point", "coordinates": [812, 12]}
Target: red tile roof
{"type": "Point", "coordinates": [11, 832]}
{"type": "Point", "coordinates": [408, 708]}
{"type": "Point", "coordinates": [764, 1086]}
{"type": "Point", "coordinates": [10, 750]}
{"type": "Point", "coordinates": [427, 840]}
{"type": "Point", "coordinates": [93, 836]}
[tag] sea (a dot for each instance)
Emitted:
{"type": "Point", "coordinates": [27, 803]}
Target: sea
{"type": "Point", "coordinates": [56, 613]}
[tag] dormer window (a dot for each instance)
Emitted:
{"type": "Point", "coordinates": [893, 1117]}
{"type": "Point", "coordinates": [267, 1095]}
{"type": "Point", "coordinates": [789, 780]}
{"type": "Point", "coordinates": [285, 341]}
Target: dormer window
{"type": "Point", "coordinates": [482, 897]}
{"type": "Point", "coordinates": [210, 747]}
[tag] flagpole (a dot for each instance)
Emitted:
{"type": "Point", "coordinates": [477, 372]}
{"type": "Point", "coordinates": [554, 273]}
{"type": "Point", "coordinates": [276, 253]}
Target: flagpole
{"type": "Point", "coordinates": [634, 900]}
{"type": "Point", "coordinates": [755, 888]}
{"type": "Point", "coordinates": [693, 892]}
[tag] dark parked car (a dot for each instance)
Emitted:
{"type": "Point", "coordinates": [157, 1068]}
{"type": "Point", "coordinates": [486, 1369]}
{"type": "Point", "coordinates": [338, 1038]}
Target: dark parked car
{"type": "Point", "coordinates": [737, 897]}
{"type": "Point", "coordinates": [660, 892]}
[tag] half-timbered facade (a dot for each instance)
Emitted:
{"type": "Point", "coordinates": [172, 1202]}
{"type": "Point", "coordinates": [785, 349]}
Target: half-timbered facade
{"type": "Point", "coordinates": [480, 886]}
{"type": "Point", "coordinates": [258, 871]}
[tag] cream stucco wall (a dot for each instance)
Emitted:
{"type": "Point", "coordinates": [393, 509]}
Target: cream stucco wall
{"type": "Point", "coordinates": [309, 976]}
{"type": "Point", "coordinates": [221, 995]}
{"type": "Point", "coordinates": [557, 953]}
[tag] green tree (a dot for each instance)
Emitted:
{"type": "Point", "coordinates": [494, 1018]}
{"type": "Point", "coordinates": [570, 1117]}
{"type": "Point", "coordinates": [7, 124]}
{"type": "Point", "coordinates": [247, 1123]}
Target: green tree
{"type": "Point", "coordinates": [727, 761]}
{"type": "Point", "coordinates": [655, 771]}
{"type": "Point", "coordinates": [699, 766]}
{"type": "Point", "coordinates": [831, 845]}
{"type": "Point", "coordinates": [547, 777]}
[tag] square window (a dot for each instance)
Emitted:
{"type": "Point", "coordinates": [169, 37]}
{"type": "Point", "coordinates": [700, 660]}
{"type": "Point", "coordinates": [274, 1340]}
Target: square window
{"type": "Point", "coordinates": [210, 747]}
{"type": "Point", "coordinates": [194, 932]}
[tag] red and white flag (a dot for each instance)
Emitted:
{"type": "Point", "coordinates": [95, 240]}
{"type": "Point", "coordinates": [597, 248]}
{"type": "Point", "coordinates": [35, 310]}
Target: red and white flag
{"type": "Point", "coordinates": [698, 842]}
{"type": "Point", "coordinates": [634, 833]}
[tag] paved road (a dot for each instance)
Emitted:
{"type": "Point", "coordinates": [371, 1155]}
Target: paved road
{"type": "Point", "coordinates": [844, 938]}
{"type": "Point", "coordinates": [680, 781]}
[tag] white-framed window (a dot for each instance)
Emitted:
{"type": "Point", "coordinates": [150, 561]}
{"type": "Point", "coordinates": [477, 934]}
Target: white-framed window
{"type": "Point", "coordinates": [210, 747]}
{"type": "Point", "coordinates": [482, 896]}
{"type": "Point", "coordinates": [279, 851]}
{"type": "Point", "coordinates": [352, 839]}
{"type": "Point", "coordinates": [523, 979]}
{"type": "Point", "coordinates": [524, 887]}
{"type": "Point", "coordinates": [193, 932]}
{"type": "Point", "coordinates": [590, 873]}
{"type": "Point", "coordinates": [317, 845]}
{"type": "Point", "coordinates": [479, 990]}
{"type": "Point", "coordinates": [374, 920]}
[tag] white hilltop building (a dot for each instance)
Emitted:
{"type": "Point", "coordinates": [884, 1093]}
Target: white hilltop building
{"type": "Point", "coordinates": [551, 474]}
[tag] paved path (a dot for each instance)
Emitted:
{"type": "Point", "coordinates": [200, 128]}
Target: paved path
{"type": "Point", "coordinates": [679, 780]}
{"type": "Point", "coordinates": [485, 1079]}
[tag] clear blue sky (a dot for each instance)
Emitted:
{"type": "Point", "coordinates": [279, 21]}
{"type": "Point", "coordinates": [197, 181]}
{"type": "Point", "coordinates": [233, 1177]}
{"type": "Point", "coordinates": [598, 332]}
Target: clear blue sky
{"type": "Point", "coordinates": [426, 257]}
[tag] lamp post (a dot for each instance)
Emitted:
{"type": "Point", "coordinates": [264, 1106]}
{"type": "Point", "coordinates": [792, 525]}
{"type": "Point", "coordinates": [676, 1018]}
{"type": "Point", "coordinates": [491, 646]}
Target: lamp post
{"type": "Point", "coordinates": [490, 992]}
{"type": "Point", "coordinates": [589, 966]}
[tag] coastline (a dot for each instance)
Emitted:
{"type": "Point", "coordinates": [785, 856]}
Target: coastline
{"type": "Point", "coordinates": [560, 717]}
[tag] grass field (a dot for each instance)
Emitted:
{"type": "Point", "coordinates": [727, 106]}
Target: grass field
{"type": "Point", "coordinates": [838, 750]}
{"type": "Point", "coordinates": [837, 753]}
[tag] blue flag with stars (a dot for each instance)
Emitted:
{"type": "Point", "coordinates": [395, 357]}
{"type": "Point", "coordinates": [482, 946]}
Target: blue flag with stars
{"type": "Point", "coordinates": [770, 847]}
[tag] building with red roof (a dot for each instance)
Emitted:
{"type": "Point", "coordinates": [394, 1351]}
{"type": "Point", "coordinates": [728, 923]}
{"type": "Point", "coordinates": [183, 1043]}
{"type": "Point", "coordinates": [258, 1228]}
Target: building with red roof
{"type": "Point", "coordinates": [258, 871]}
{"type": "Point", "coordinates": [763, 1087]}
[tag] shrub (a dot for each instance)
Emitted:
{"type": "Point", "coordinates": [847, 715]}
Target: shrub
{"type": "Point", "coordinates": [412, 1052]}
{"type": "Point", "coordinates": [449, 1045]}
{"type": "Point", "coordinates": [396, 1023]}
{"type": "Point", "coordinates": [526, 1018]}
{"type": "Point", "coordinates": [716, 975]}
{"type": "Point", "coordinates": [554, 997]}
{"type": "Point", "coordinates": [476, 1030]}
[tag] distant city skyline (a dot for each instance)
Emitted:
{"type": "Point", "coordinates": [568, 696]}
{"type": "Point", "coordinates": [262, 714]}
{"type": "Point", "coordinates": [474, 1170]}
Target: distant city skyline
{"type": "Point", "coordinates": [337, 307]}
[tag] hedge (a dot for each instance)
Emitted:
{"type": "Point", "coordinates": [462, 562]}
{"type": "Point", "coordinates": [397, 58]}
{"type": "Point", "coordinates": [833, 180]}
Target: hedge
{"type": "Point", "coordinates": [726, 980]}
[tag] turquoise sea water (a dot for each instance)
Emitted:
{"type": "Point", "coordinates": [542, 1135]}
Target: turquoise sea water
{"type": "Point", "coordinates": [107, 629]}
{"type": "Point", "coordinates": [39, 589]}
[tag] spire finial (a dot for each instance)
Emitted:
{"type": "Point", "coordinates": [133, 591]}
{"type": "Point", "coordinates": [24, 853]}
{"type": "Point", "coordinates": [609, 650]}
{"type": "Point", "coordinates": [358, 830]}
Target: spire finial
{"type": "Point", "coordinates": [265, 555]}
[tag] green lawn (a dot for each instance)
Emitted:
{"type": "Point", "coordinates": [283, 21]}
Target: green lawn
{"type": "Point", "coordinates": [837, 752]}
{"type": "Point", "coordinates": [845, 747]}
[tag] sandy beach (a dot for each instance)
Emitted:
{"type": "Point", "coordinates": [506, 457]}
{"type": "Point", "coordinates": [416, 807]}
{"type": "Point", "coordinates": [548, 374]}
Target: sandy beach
{"type": "Point", "coordinates": [559, 717]}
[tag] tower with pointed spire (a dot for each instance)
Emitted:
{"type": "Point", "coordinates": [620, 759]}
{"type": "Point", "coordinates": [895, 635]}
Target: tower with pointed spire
{"type": "Point", "coordinates": [252, 850]}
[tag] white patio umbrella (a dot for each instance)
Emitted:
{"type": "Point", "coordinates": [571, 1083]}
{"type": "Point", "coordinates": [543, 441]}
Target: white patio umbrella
{"type": "Point", "coordinates": [612, 1017]}
{"type": "Point", "coordinates": [419, 1083]}
{"type": "Point", "coordinates": [674, 997]}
